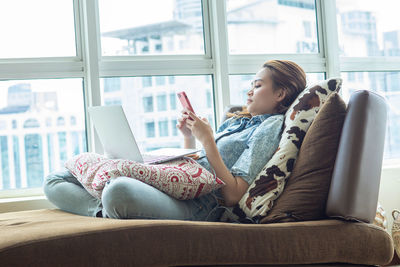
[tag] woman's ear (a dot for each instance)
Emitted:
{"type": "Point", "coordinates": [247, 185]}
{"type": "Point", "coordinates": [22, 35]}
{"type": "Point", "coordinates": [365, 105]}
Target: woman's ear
{"type": "Point", "coordinates": [281, 95]}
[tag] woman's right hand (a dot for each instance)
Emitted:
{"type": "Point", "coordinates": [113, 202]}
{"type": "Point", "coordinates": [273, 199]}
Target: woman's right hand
{"type": "Point", "coordinates": [182, 125]}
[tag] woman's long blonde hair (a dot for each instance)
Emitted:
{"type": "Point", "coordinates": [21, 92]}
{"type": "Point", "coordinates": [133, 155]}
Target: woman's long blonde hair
{"type": "Point", "coordinates": [285, 75]}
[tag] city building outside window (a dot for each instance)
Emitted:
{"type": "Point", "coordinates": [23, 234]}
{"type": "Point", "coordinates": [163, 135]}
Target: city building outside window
{"type": "Point", "coordinates": [160, 80]}
{"type": "Point", "coordinates": [209, 100]}
{"type": "Point", "coordinates": [134, 27]}
{"type": "Point", "coordinates": [172, 101]}
{"type": "Point", "coordinates": [150, 129]}
{"type": "Point", "coordinates": [112, 101]}
{"type": "Point", "coordinates": [159, 103]}
{"type": "Point", "coordinates": [173, 127]}
{"type": "Point", "coordinates": [163, 128]}
{"type": "Point", "coordinates": [147, 81]}
{"type": "Point", "coordinates": [266, 24]}
{"type": "Point", "coordinates": [368, 28]}
{"type": "Point", "coordinates": [31, 146]}
{"type": "Point", "coordinates": [112, 84]}
{"type": "Point", "coordinates": [162, 102]}
{"type": "Point", "coordinates": [148, 104]}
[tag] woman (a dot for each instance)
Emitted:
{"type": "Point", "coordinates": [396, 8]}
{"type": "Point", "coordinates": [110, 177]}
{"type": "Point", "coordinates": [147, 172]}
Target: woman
{"type": "Point", "coordinates": [242, 146]}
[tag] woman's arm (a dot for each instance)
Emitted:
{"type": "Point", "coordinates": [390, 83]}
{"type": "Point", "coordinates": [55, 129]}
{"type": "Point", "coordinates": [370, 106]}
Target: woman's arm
{"type": "Point", "coordinates": [188, 139]}
{"type": "Point", "coordinates": [189, 142]}
{"type": "Point", "coordinates": [234, 187]}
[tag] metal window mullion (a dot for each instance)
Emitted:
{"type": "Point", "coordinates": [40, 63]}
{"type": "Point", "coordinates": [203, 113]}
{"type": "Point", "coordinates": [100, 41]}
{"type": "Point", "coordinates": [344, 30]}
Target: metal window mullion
{"type": "Point", "coordinates": [154, 66]}
{"type": "Point", "coordinates": [370, 64]}
{"type": "Point", "coordinates": [330, 38]}
{"type": "Point", "coordinates": [220, 54]}
{"type": "Point", "coordinates": [320, 32]}
{"type": "Point", "coordinates": [143, 72]}
{"type": "Point", "coordinates": [206, 29]}
{"type": "Point", "coordinates": [46, 69]}
{"type": "Point", "coordinates": [91, 54]}
{"type": "Point", "coordinates": [144, 58]}
{"type": "Point", "coordinates": [78, 26]}
{"type": "Point", "coordinates": [38, 60]}
{"type": "Point", "coordinates": [250, 64]}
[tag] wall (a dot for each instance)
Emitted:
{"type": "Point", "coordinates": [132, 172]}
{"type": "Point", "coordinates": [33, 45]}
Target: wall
{"type": "Point", "coordinates": [389, 192]}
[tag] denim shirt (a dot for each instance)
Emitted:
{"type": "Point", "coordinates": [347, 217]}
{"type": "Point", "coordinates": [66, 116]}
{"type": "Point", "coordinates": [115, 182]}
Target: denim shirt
{"type": "Point", "coordinates": [246, 144]}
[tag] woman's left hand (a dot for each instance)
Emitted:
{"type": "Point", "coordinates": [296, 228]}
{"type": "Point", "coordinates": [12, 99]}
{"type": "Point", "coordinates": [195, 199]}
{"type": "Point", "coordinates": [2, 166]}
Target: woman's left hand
{"type": "Point", "coordinates": [200, 127]}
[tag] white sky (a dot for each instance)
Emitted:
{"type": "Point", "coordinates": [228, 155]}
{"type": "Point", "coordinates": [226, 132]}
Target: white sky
{"type": "Point", "coordinates": [36, 28]}
{"type": "Point", "coordinates": [132, 13]}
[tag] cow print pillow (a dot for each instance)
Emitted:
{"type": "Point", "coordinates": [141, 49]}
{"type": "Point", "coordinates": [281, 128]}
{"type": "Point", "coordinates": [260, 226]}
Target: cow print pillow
{"type": "Point", "coordinates": [269, 183]}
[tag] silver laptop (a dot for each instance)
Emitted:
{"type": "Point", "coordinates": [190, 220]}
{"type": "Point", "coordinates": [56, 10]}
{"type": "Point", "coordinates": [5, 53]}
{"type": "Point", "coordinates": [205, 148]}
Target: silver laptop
{"type": "Point", "coordinates": [118, 141]}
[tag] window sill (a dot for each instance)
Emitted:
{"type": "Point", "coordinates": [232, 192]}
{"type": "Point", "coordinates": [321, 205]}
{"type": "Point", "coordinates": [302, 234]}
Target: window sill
{"type": "Point", "coordinates": [25, 203]}
{"type": "Point", "coordinates": [16, 199]}
{"type": "Point", "coordinates": [391, 164]}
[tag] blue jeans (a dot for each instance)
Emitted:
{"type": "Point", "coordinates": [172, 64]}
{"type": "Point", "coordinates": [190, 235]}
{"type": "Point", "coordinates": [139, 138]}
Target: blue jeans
{"type": "Point", "coordinates": [127, 198]}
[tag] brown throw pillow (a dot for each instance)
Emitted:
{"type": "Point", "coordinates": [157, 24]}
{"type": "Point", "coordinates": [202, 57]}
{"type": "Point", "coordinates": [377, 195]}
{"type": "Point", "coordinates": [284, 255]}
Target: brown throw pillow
{"type": "Point", "coordinates": [306, 191]}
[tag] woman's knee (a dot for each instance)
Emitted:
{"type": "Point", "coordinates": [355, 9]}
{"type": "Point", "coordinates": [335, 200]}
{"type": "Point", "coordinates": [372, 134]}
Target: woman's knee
{"type": "Point", "coordinates": [58, 177]}
{"type": "Point", "coordinates": [55, 177]}
{"type": "Point", "coordinates": [120, 195]}
{"type": "Point", "coordinates": [117, 190]}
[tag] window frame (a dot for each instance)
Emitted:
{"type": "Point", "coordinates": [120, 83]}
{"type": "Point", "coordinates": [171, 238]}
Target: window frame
{"type": "Point", "coordinates": [216, 61]}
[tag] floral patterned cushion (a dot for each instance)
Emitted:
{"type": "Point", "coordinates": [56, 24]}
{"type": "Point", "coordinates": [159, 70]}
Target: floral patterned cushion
{"type": "Point", "coordinates": [270, 182]}
{"type": "Point", "coordinates": [182, 178]}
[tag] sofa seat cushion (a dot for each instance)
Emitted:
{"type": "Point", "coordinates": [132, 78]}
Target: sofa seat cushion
{"type": "Point", "coordinates": [51, 237]}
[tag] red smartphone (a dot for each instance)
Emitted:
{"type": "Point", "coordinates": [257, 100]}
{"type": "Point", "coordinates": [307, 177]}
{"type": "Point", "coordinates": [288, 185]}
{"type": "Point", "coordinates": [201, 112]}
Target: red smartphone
{"type": "Point", "coordinates": [185, 101]}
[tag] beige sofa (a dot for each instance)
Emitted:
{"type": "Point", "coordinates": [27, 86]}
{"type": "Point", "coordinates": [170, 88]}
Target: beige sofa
{"type": "Point", "coordinates": [51, 237]}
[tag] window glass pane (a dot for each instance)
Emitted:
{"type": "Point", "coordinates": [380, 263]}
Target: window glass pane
{"type": "Point", "coordinates": [112, 84]}
{"type": "Point", "coordinates": [147, 103]}
{"type": "Point", "coordinates": [210, 119]}
{"type": "Point", "coordinates": [163, 127]}
{"type": "Point", "coordinates": [173, 127]}
{"type": "Point", "coordinates": [162, 102]}
{"type": "Point", "coordinates": [368, 28]}
{"type": "Point", "coordinates": [112, 102]}
{"type": "Point", "coordinates": [146, 81]}
{"type": "Point", "coordinates": [42, 28]}
{"type": "Point", "coordinates": [172, 101]}
{"type": "Point", "coordinates": [208, 98]}
{"type": "Point", "coordinates": [280, 26]}
{"type": "Point", "coordinates": [160, 80]}
{"type": "Point", "coordinates": [240, 84]}
{"type": "Point", "coordinates": [43, 125]}
{"type": "Point", "coordinates": [149, 123]}
{"type": "Point", "coordinates": [151, 27]}
{"type": "Point", "coordinates": [150, 129]}
{"type": "Point", "coordinates": [386, 84]}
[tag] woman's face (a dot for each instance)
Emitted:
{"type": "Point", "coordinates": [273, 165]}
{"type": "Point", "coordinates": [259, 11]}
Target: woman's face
{"type": "Point", "coordinates": [261, 98]}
